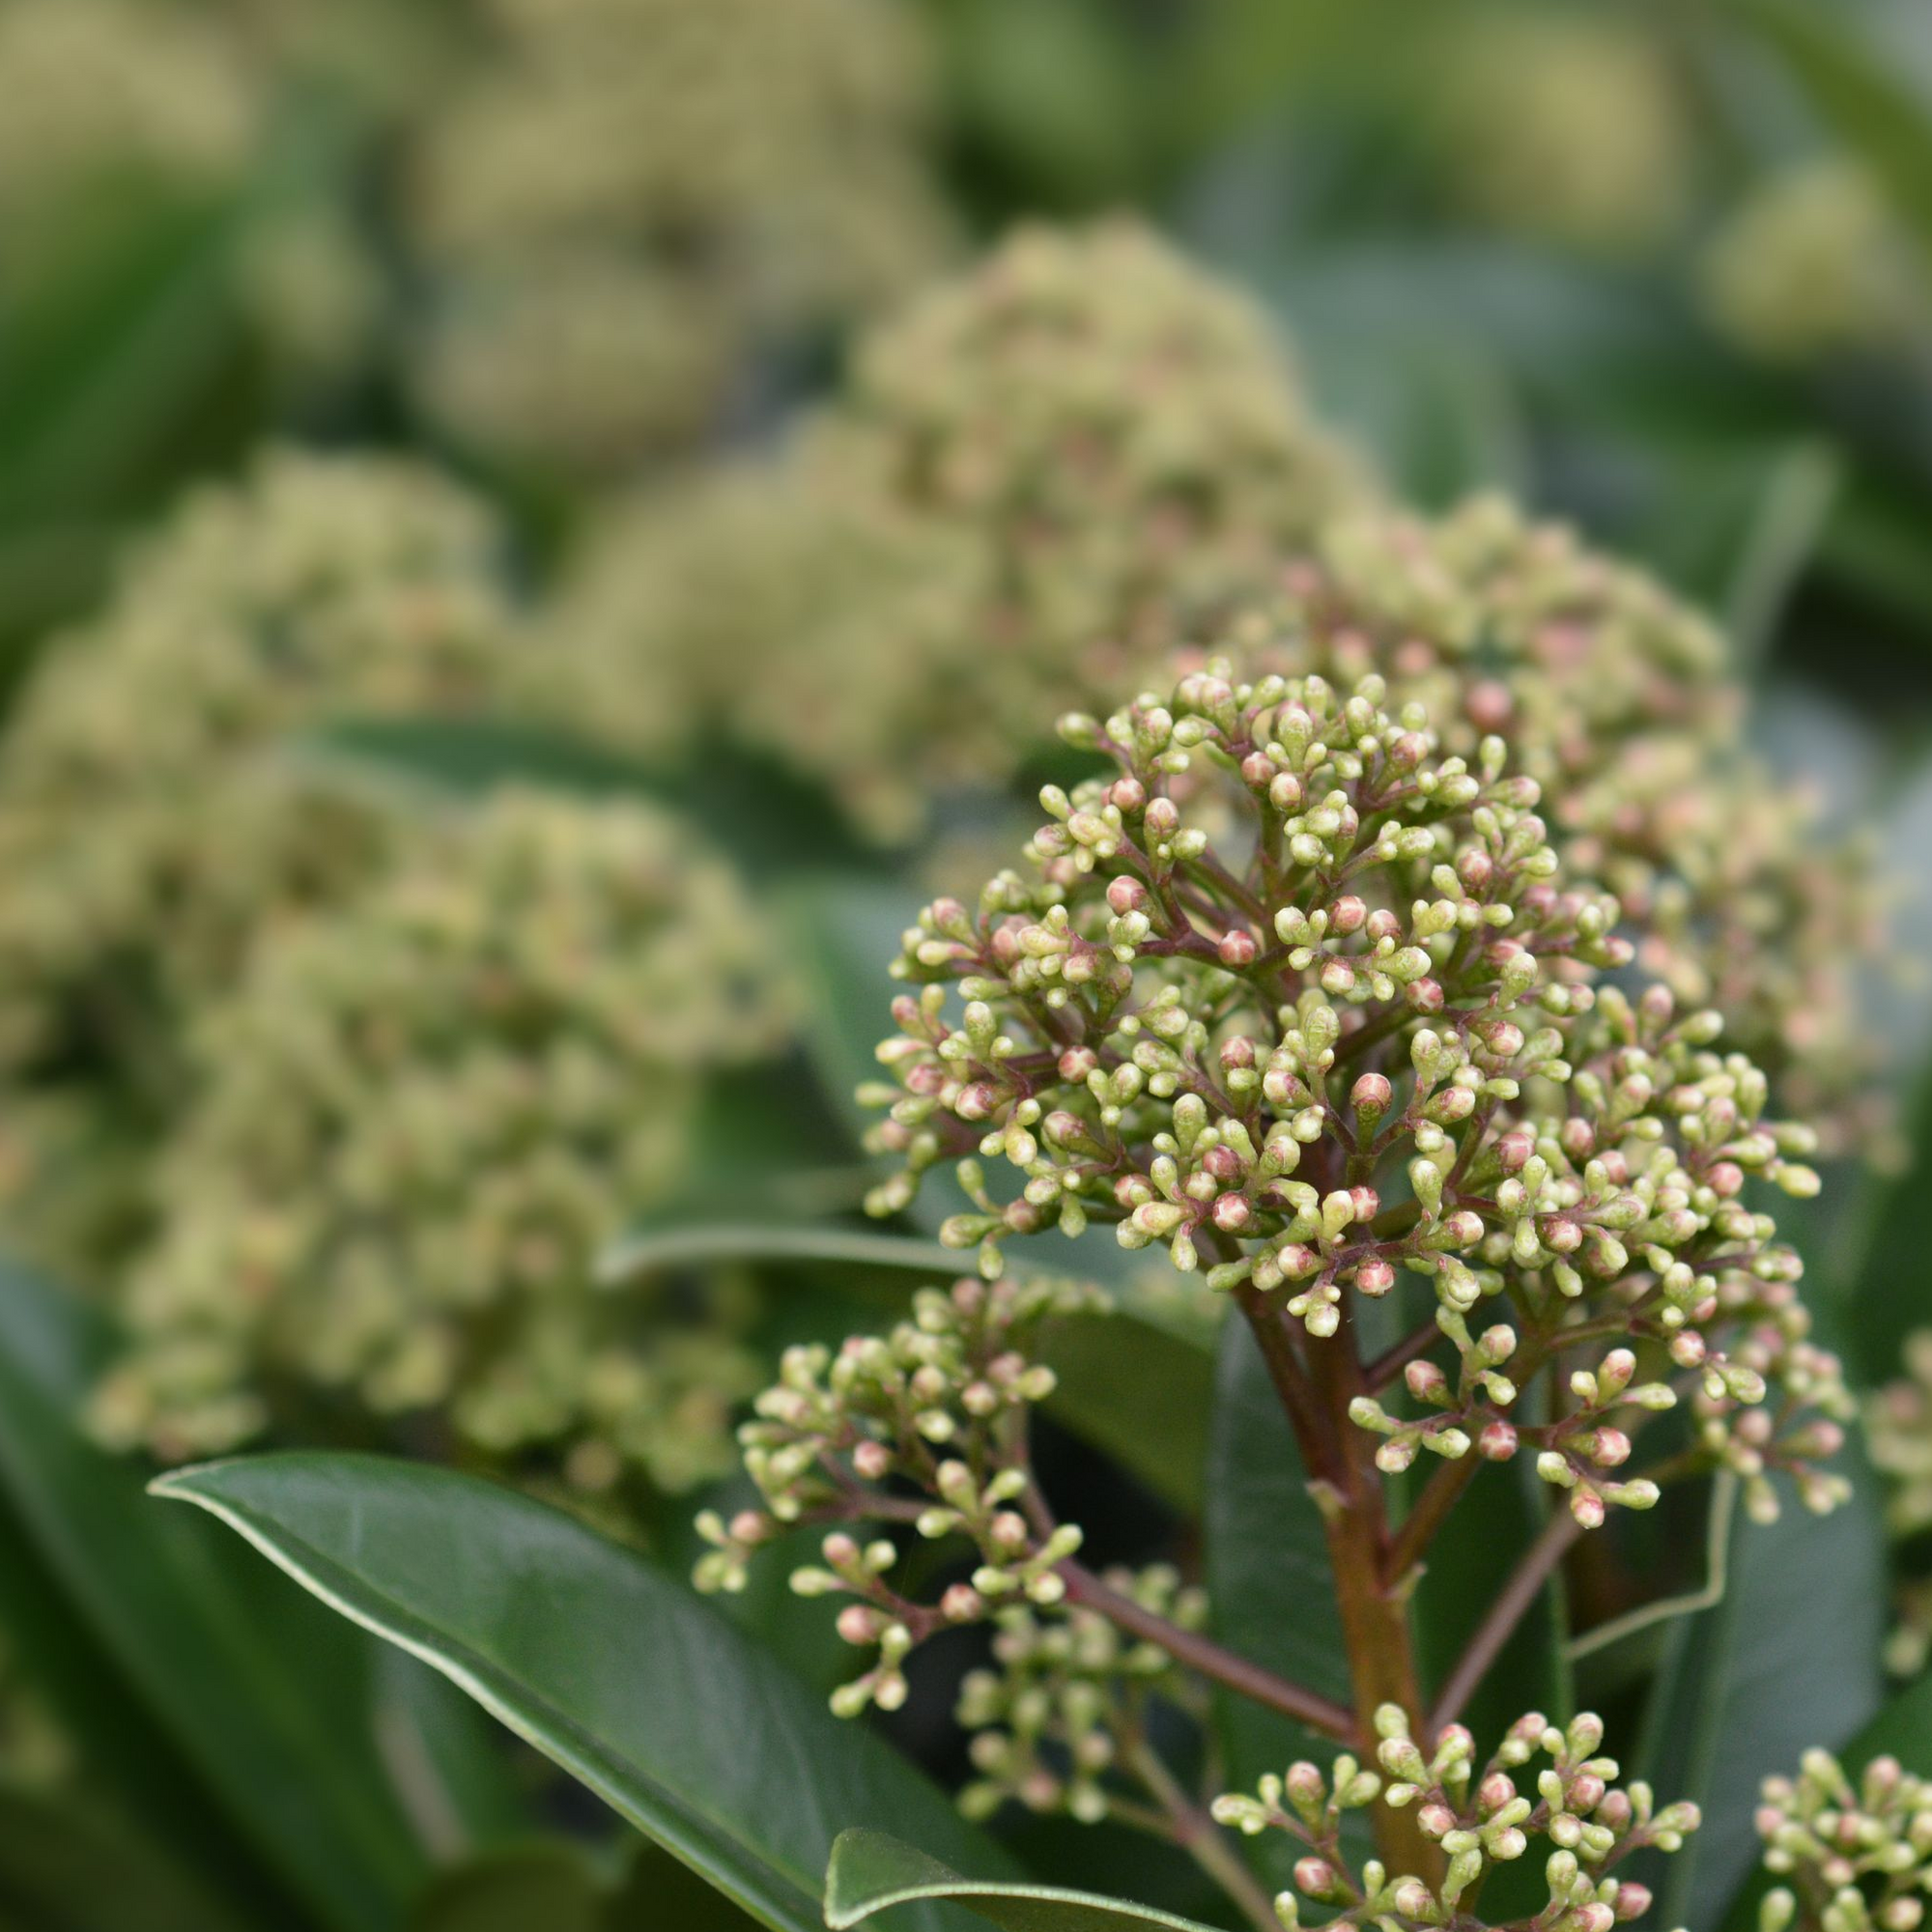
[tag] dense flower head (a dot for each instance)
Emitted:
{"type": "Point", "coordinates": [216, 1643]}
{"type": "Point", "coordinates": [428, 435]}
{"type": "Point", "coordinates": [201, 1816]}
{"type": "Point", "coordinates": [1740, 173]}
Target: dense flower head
{"type": "Point", "coordinates": [1312, 1004]}
{"type": "Point", "coordinates": [1478, 1813]}
{"type": "Point", "coordinates": [1028, 471]}
{"type": "Point", "coordinates": [1816, 262]}
{"type": "Point", "coordinates": [413, 1121]}
{"type": "Point", "coordinates": [622, 203]}
{"type": "Point", "coordinates": [1850, 1853]}
{"type": "Point", "coordinates": [96, 95]}
{"type": "Point", "coordinates": [1565, 127]}
{"type": "Point", "coordinates": [1614, 696]}
{"type": "Point", "coordinates": [944, 1400]}
{"type": "Point", "coordinates": [151, 825]}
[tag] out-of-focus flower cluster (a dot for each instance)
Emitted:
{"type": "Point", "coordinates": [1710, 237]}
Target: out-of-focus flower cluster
{"type": "Point", "coordinates": [1816, 262]}
{"type": "Point", "coordinates": [1899, 1432]}
{"type": "Point", "coordinates": [413, 1122]}
{"type": "Point", "coordinates": [942, 1401]}
{"type": "Point", "coordinates": [1613, 696]}
{"type": "Point", "coordinates": [1290, 963]}
{"type": "Point", "coordinates": [100, 96]}
{"type": "Point", "coordinates": [1851, 1855]}
{"type": "Point", "coordinates": [1030, 471]}
{"type": "Point", "coordinates": [1565, 126]}
{"type": "Point", "coordinates": [1479, 1817]}
{"type": "Point", "coordinates": [623, 205]}
{"type": "Point", "coordinates": [582, 234]}
{"type": "Point", "coordinates": [151, 825]}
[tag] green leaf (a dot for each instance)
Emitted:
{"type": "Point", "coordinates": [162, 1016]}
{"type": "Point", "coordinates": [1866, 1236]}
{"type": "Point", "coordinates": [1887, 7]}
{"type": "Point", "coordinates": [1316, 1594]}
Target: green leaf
{"type": "Point", "coordinates": [199, 1642]}
{"type": "Point", "coordinates": [1267, 1569]}
{"type": "Point", "coordinates": [872, 1872]}
{"type": "Point", "coordinates": [634, 1686]}
{"type": "Point", "coordinates": [514, 1889]}
{"type": "Point", "coordinates": [1789, 1658]}
{"type": "Point", "coordinates": [66, 1868]}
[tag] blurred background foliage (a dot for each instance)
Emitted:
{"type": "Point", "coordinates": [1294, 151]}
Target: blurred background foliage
{"type": "Point", "coordinates": [640, 420]}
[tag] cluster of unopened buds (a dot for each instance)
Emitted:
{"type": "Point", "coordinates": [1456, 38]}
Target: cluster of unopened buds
{"type": "Point", "coordinates": [1479, 1815]}
{"type": "Point", "coordinates": [1310, 1006]}
{"type": "Point", "coordinates": [1851, 1855]}
{"type": "Point", "coordinates": [940, 1405]}
{"type": "Point", "coordinates": [1066, 1708]}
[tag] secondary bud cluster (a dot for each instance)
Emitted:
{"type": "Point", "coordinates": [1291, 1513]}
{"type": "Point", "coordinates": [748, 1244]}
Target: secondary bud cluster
{"type": "Point", "coordinates": [1480, 1814]}
{"type": "Point", "coordinates": [925, 1429]}
{"type": "Point", "coordinates": [1311, 1004]}
{"type": "Point", "coordinates": [401, 1141]}
{"type": "Point", "coordinates": [1853, 1856]}
{"type": "Point", "coordinates": [1061, 1723]}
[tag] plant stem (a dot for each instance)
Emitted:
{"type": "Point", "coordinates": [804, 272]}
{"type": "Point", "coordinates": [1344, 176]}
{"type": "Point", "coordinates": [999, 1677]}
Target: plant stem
{"type": "Point", "coordinates": [1501, 1620]}
{"type": "Point", "coordinates": [1440, 1496]}
{"type": "Point", "coordinates": [1202, 1654]}
{"type": "Point", "coordinates": [1374, 1620]}
{"type": "Point", "coordinates": [1204, 1841]}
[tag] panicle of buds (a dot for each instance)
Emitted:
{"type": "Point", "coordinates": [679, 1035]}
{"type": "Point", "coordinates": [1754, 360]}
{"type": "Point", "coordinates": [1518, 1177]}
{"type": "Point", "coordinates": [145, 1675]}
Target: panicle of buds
{"type": "Point", "coordinates": [1851, 1855]}
{"type": "Point", "coordinates": [1060, 1721]}
{"type": "Point", "coordinates": [1309, 1004]}
{"type": "Point", "coordinates": [923, 1429]}
{"type": "Point", "coordinates": [1480, 1813]}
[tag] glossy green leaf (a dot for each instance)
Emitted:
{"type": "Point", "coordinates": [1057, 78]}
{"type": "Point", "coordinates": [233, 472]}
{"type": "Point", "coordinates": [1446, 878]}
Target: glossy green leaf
{"type": "Point", "coordinates": [634, 1685]}
{"type": "Point", "coordinates": [872, 1872]}
{"type": "Point", "coordinates": [1789, 1658]}
{"type": "Point", "coordinates": [66, 1866]}
{"type": "Point", "coordinates": [1268, 1570]}
{"type": "Point", "coordinates": [201, 1643]}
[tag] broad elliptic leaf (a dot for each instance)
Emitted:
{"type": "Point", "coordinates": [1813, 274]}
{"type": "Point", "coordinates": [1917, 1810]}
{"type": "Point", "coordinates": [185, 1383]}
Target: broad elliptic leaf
{"type": "Point", "coordinates": [872, 1872]}
{"type": "Point", "coordinates": [1789, 1658]}
{"type": "Point", "coordinates": [1267, 1571]}
{"type": "Point", "coordinates": [199, 1643]}
{"type": "Point", "coordinates": [637, 1688]}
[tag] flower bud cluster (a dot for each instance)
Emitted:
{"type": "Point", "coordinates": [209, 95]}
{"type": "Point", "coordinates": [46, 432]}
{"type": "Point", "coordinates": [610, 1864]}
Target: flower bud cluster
{"type": "Point", "coordinates": [1614, 696]}
{"type": "Point", "coordinates": [1058, 1724]}
{"type": "Point", "coordinates": [1309, 1004]}
{"type": "Point", "coordinates": [924, 1428]}
{"type": "Point", "coordinates": [1028, 470]}
{"type": "Point", "coordinates": [619, 205]}
{"type": "Point", "coordinates": [95, 94]}
{"type": "Point", "coordinates": [151, 827]}
{"type": "Point", "coordinates": [1816, 262]}
{"type": "Point", "coordinates": [1849, 1856]}
{"type": "Point", "coordinates": [1480, 1814]}
{"type": "Point", "coordinates": [1898, 1432]}
{"type": "Point", "coordinates": [407, 1127]}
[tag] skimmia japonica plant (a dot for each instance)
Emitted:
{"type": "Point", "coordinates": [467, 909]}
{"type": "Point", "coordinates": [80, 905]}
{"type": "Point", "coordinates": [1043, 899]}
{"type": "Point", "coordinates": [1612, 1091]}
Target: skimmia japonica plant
{"type": "Point", "coordinates": [1314, 1009]}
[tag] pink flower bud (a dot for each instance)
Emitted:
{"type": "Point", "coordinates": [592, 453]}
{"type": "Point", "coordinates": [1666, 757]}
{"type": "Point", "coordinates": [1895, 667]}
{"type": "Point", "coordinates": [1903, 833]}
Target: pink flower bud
{"type": "Point", "coordinates": [1346, 914]}
{"type": "Point", "coordinates": [1371, 1095]}
{"type": "Point", "coordinates": [1425, 1381]}
{"type": "Point", "coordinates": [1489, 705]}
{"type": "Point", "coordinates": [1374, 1276]}
{"type": "Point", "coordinates": [859, 1623]}
{"type": "Point", "coordinates": [1233, 1213]}
{"type": "Point", "coordinates": [1127, 793]}
{"type": "Point", "coordinates": [1237, 949]}
{"type": "Point", "coordinates": [1425, 995]}
{"type": "Point", "coordinates": [1314, 1876]}
{"type": "Point", "coordinates": [1437, 1820]}
{"type": "Point", "coordinates": [873, 1461]}
{"type": "Point", "coordinates": [840, 1551]}
{"type": "Point", "coordinates": [1498, 1442]}
{"type": "Point", "coordinates": [1078, 1062]}
{"type": "Point", "coordinates": [961, 1605]}
{"type": "Point", "coordinates": [1632, 1901]}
